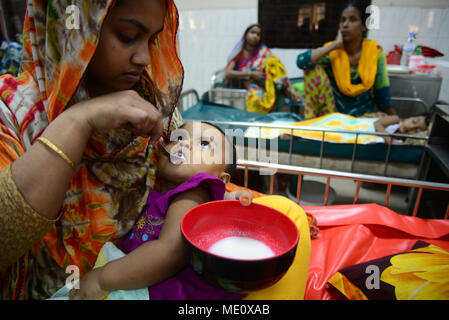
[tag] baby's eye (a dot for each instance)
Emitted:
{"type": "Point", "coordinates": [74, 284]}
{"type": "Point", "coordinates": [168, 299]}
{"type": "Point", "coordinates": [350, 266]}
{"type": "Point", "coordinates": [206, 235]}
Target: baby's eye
{"type": "Point", "coordinates": [205, 144]}
{"type": "Point", "coordinates": [179, 138]}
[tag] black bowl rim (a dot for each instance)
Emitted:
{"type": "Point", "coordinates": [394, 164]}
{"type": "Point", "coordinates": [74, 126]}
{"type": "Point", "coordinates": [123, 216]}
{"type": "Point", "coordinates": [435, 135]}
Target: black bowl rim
{"type": "Point", "coordinates": [295, 244]}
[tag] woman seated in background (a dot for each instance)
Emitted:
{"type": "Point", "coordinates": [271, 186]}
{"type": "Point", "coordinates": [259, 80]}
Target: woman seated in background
{"type": "Point", "coordinates": [252, 66]}
{"type": "Point", "coordinates": [349, 74]}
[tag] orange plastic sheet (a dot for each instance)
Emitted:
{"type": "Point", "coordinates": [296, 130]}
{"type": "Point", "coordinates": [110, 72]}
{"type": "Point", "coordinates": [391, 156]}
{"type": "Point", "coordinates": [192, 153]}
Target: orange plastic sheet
{"type": "Point", "coordinates": [351, 234]}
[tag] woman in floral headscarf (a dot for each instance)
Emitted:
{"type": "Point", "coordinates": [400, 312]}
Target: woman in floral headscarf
{"type": "Point", "coordinates": [252, 66]}
{"type": "Point", "coordinates": [100, 86]}
{"type": "Point", "coordinates": [97, 89]}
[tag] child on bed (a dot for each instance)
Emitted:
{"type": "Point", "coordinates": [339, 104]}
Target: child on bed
{"type": "Point", "coordinates": [194, 172]}
{"type": "Point", "coordinates": [394, 124]}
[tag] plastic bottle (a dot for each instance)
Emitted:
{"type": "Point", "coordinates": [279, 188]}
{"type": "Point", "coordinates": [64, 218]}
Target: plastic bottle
{"type": "Point", "coordinates": [408, 49]}
{"type": "Point", "coordinates": [416, 59]}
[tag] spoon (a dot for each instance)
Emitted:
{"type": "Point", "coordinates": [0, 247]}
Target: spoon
{"type": "Point", "coordinates": [174, 157]}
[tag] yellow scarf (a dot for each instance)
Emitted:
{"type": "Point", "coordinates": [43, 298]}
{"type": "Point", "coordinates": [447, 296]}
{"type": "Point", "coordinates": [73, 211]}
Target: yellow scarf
{"type": "Point", "coordinates": [367, 68]}
{"type": "Point", "coordinates": [274, 70]}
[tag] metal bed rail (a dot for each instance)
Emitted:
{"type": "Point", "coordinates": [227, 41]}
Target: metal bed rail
{"type": "Point", "coordinates": [188, 99]}
{"type": "Point", "coordinates": [300, 171]}
{"type": "Point", "coordinates": [323, 134]}
{"type": "Point", "coordinates": [235, 98]}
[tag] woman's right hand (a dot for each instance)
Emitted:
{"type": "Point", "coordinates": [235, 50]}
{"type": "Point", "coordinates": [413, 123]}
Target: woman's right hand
{"type": "Point", "coordinates": [121, 110]}
{"type": "Point", "coordinates": [338, 42]}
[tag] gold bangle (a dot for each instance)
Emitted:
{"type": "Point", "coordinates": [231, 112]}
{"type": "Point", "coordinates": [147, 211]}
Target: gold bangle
{"type": "Point", "coordinates": [57, 150]}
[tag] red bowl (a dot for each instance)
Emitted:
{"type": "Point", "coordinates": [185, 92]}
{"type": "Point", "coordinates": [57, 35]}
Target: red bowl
{"type": "Point", "coordinates": [208, 223]}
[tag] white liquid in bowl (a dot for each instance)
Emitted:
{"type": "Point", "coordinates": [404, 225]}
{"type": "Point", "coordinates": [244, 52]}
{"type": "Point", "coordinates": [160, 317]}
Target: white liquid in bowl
{"type": "Point", "coordinates": [241, 248]}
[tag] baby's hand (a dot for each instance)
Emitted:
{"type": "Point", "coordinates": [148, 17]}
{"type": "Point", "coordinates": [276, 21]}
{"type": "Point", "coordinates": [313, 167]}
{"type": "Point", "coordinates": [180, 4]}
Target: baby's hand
{"type": "Point", "coordinates": [244, 196]}
{"type": "Point", "coordinates": [89, 287]}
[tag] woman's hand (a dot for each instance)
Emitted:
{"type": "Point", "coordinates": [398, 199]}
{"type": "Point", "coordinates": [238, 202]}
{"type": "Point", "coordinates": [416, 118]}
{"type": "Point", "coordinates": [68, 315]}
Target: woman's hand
{"type": "Point", "coordinates": [294, 95]}
{"type": "Point", "coordinates": [120, 110]}
{"type": "Point", "coordinates": [89, 287]}
{"type": "Point", "coordinates": [338, 42]}
{"type": "Point", "coordinates": [244, 196]}
{"type": "Point", "coordinates": [257, 76]}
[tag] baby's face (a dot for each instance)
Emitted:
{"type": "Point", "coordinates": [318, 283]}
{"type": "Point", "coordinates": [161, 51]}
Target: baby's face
{"type": "Point", "coordinates": [413, 125]}
{"type": "Point", "coordinates": [195, 148]}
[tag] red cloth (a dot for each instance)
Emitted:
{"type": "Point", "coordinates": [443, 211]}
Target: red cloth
{"type": "Point", "coordinates": [394, 56]}
{"type": "Point", "coordinates": [351, 234]}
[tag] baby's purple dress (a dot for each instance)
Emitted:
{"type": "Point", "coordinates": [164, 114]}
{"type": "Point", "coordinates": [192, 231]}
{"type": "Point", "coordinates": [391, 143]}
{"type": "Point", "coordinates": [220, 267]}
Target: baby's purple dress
{"type": "Point", "coordinates": [186, 284]}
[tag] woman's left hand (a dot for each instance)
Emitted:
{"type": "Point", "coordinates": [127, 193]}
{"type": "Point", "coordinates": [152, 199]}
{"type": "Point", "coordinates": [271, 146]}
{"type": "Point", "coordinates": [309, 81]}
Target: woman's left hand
{"type": "Point", "coordinates": [244, 196]}
{"type": "Point", "coordinates": [257, 76]}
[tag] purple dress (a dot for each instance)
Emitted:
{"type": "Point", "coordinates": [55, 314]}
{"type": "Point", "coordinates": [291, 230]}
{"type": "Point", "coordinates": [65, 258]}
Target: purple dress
{"type": "Point", "coordinates": [186, 284]}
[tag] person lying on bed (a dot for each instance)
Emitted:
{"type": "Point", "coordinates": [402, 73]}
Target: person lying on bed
{"type": "Point", "coordinates": [349, 74]}
{"type": "Point", "coordinates": [253, 66]}
{"type": "Point", "coordinates": [155, 254]}
{"type": "Point", "coordinates": [394, 124]}
{"type": "Point", "coordinates": [339, 121]}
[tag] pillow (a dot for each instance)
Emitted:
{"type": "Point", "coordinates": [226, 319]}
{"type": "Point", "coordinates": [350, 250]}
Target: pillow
{"type": "Point", "coordinates": [422, 273]}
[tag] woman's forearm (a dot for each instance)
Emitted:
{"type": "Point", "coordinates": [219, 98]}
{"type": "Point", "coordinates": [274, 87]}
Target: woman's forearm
{"type": "Point", "coordinates": [319, 53]}
{"type": "Point", "coordinates": [238, 74]}
{"type": "Point", "coordinates": [43, 176]}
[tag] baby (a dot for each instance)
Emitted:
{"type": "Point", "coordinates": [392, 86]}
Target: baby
{"type": "Point", "coordinates": [194, 169]}
{"type": "Point", "coordinates": [393, 124]}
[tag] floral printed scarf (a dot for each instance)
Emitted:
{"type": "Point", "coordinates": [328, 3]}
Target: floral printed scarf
{"type": "Point", "coordinates": [111, 183]}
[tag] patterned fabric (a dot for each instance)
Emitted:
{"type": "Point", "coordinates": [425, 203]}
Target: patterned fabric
{"type": "Point", "coordinates": [420, 273]}
{"type": "Point", "coordinates": [332, 121]}
{"type": "Point", "coordinates": [187, 284]}
{"type": "Point", "coordinates": [110, 185]}
{"type": "Point", "coordinates": [10, 56]}
{"type": "Point", "coordinates": [264, 101]}
{"type": "Point", "coordinates": [261, 97]}
{"type": "Point", "coordinates": [318, 94]}
{"type": "Point", "coordinates": [378, 96]}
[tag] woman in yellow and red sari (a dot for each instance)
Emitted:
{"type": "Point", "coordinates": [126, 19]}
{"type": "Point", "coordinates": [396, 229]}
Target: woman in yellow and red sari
{"type": "Point", "coordinates": [348, 75]}
{"type": "Point", "coordinates": [252, 66]}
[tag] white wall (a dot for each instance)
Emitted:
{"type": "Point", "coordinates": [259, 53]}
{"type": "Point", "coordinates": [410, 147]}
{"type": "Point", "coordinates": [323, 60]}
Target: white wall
{"type": "Point", "coordinates": [210, 29]}
{"type": "Point", "coordinates": [430, 21]}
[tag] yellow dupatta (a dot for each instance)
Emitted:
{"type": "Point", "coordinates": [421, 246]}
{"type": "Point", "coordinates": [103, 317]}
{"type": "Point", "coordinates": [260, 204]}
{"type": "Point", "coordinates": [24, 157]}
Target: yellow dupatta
{"type": "Point", "coordinates": [264, 103]}
{"type": "Point", "coordinates": [367, 68]}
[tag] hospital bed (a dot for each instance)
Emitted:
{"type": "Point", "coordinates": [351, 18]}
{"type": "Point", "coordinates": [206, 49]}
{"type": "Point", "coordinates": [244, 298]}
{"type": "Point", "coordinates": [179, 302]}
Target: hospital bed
{"type": "Point", "coordinates": [352, 233]}
{"type": "Point", "coordinates": [355, 235]}
{"type": "Point", "coordinates": [379, 159]}
{"type": "Point", "coordinates": [406, 101]}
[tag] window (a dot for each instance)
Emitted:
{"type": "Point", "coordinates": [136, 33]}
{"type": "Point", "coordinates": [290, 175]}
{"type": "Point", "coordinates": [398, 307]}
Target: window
{"type": "Point", "coordinates": [13, 15]}
{"type": "Point", "coordinates": [300, 24]}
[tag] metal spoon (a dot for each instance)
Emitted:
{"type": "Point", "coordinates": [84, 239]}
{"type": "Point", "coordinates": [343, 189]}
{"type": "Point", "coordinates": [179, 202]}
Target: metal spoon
{"type": "Point", "coordinates": [174, 158]}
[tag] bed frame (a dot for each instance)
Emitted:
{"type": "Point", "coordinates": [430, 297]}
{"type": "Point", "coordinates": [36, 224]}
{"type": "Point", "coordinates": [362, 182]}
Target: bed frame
{"type": "Point", "coordinates": [359, 178]}
{"type": "Point", "coordinates": [288, 158]}
{"type": "Point", "coordinates": [287, 163]}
